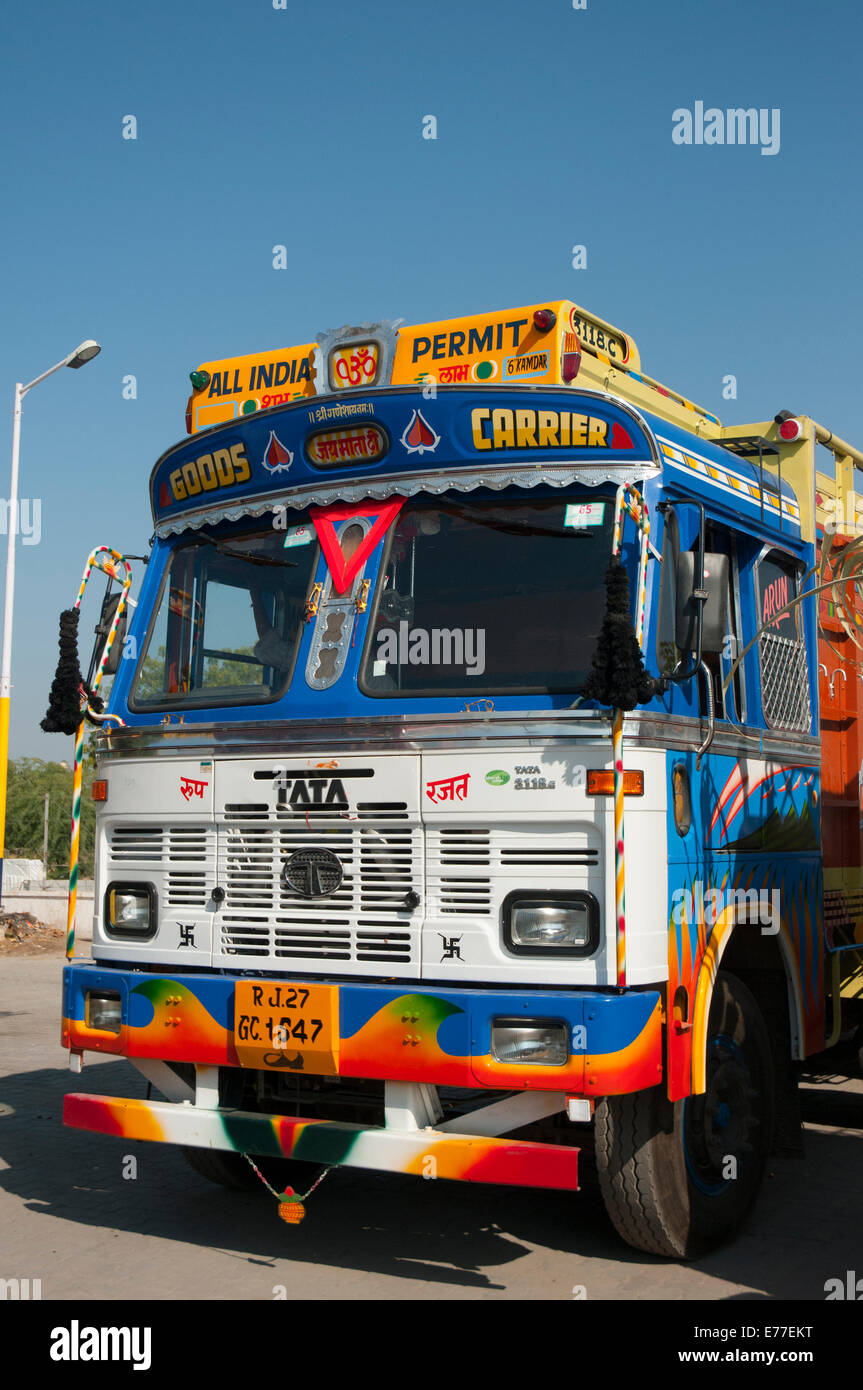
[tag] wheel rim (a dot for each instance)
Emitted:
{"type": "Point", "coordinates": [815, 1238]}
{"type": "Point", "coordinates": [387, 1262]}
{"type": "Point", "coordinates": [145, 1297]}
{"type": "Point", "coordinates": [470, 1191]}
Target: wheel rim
{"type": "Point", "coordinates": [717, 1125]}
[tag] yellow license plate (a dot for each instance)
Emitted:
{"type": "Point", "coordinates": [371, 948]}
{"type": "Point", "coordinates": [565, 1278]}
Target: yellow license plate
{"type": "Point", "coordinates": [287, 1027]}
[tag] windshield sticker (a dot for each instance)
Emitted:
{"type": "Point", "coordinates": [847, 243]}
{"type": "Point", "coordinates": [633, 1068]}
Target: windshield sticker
{"type": "Point", "coordinates": [581, 514]}
{"type": "Point", "coordinates": [298, 535]}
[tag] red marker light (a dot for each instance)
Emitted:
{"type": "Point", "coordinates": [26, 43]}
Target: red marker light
{"type": "Point", "coordinates": [189, 415]}
{"type": "Point", "coordinates": [544, 319]}
{"type": "Point", "coordinates": [790, 430]}
{"type": "Point", "coordinates": [571, 357]}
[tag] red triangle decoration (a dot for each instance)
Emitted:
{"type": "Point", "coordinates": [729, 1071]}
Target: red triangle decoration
{"type": "Point", "coordinates": [164, 499]}
{"type": "Point", "coordinates": [343, 571]}
{"type": "Point", "coordinates": [619, 437]}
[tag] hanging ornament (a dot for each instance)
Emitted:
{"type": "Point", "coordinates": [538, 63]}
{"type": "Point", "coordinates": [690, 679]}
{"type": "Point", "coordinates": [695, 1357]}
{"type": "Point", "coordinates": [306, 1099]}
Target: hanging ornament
{"type": "Point", "coordinates": [291, 1207]}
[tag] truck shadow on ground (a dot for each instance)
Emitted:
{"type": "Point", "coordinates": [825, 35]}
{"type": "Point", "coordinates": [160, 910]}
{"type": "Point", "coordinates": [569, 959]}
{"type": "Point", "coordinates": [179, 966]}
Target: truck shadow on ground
{"type": "Point", "coordinates": [449, 1234]}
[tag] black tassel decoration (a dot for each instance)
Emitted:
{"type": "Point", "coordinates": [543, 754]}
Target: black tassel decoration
{"type": "Point", "coordinates": [618, 677]}
{"type": "Point", "coordinates": [64, 702]}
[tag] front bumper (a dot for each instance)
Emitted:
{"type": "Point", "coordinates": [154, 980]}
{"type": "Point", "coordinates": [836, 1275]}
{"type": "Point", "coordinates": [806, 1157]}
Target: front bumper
{"type": "Point", "coordinates": [437, 1036]}
{"type": "Point", "coordinates": [427, 1153]}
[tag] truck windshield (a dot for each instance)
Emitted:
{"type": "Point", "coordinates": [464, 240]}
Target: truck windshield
{"type": "Point", "coordinates": [479, 597]}
{"type": "Point", "coordinates": [229, 619]}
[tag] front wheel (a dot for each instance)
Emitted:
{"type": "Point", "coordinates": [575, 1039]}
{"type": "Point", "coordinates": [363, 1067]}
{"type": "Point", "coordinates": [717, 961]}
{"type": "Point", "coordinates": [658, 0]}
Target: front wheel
{"type": "Point", "coordinates": [678, 1179]}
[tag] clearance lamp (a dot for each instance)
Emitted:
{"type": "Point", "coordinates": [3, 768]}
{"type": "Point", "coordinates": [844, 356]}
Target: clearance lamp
{"type": "Point", "coordinates": [544, 319]}
{"type": "Point", "coordinates": [790, 428]}
{"type": "Point", "coordinates": [84, 352]}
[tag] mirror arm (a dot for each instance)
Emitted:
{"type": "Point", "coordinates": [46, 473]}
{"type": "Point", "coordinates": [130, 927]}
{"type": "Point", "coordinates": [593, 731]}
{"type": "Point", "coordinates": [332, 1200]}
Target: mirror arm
{"type": "Point", "coordinates": [100, 635]}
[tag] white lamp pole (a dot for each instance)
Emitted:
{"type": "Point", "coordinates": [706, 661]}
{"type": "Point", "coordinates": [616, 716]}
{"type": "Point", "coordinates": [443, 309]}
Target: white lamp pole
{"type": "Point", "coordinates": [83, 353]}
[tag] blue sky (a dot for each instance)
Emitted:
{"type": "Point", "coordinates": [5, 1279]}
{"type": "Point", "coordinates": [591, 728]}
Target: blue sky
{"type": "Point", "coordinates": [303, 127]}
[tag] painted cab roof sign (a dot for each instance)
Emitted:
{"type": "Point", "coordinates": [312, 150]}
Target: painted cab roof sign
{"type": "Point", "coordinates": [354, 446]}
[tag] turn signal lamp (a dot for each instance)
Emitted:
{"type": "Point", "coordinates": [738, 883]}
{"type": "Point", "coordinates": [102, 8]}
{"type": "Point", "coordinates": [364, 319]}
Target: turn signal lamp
{"type": "Point", "coordinates": [99, 791]}
{"type": "Point", "coordinates": [602, 783]}
{"type": "Point", "coordinates": [682, 799]}
{"type": "Point", "coordinates": [199, 380]}
{"type": "Point", "coordinates": [571, 357]}
{"type": "Point", "coordinates": [544, 319]}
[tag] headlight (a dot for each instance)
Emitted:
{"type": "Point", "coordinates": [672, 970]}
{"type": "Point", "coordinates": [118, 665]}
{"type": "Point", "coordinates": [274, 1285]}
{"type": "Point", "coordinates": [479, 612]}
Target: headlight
{"type": "Point", "coordinates": [559, 924]}
{"type": "Point", "coordinates": [130, 910]}
{"type": "Point", "coordinates": [536, 1041]}
{"type": "Point", "coordinates": [103, 1011]}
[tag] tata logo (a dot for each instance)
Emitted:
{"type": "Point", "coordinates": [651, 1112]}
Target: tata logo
{"type": "Point", "coordinates": [314, 794]}
{"type": "Point", "coordinates": [313, 873]}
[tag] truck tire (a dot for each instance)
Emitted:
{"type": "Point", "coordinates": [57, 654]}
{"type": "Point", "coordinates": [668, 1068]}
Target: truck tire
{"type": "Point", "coordinates": [230, 1169]}
{"type": "Point", "coordinates": [678, 1179]}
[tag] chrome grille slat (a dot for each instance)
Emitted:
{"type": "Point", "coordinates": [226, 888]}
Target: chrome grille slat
{"type": "Point", "coordinates": [471, 868]}
{"type": "Point", "coordinates": [381, 854]}
{"type": "Point", "coordinates": [182, 856]}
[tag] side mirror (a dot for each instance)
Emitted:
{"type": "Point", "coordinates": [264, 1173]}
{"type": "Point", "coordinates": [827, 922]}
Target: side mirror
{"type": "Point", "coordinates": [102, 628]}
{"type": "Point", "coordinates": [714, 627]}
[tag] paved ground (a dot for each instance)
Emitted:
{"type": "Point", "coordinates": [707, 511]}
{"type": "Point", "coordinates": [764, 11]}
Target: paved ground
{"type": "Point", "coordinates": [68, 1216]}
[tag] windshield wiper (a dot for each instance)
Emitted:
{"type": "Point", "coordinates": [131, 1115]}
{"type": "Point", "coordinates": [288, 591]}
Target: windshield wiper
{"type": "Point", "coordinates": [231, 554]}
{"type": "Point", "coordinates": [512, 527]}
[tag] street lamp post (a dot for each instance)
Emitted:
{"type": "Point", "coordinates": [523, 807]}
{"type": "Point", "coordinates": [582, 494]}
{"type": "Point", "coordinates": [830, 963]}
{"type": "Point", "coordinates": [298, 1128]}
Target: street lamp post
{"type": "Point", "coordinates": [85, 352]}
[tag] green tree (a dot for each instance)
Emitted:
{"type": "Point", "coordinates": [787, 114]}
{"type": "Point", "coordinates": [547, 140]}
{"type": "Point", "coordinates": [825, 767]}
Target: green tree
{"type": "Point", "coordinates": [29, 780]}
{"type": "Point", "coordinates": [217, 673]}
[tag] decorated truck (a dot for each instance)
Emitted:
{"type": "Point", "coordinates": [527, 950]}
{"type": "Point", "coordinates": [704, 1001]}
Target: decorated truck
{"type": "Point", "coordinates": [478, 788]}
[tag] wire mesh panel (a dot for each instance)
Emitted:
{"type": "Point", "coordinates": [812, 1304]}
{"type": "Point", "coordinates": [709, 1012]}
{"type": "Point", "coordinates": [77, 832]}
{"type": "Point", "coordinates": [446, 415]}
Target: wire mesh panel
{"type": "Point", "coordinates": [784, 683]}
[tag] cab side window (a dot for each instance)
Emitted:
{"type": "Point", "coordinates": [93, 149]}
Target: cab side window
{"type": "Point", "coordinates": [728, 703]}
{"type": "Point", "coordinates": [667, 651]}
{"type": "Point", "coordinates": [781, 648]}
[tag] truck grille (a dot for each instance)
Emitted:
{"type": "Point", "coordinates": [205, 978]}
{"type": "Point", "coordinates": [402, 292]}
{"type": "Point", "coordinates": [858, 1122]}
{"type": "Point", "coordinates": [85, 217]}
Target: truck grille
{"type": "Point", "coordinates": [366, 920]}
{"type": "Point", "coordinates": [464, 861]}
{"type": "Point", "coordinates": [181, 855]}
